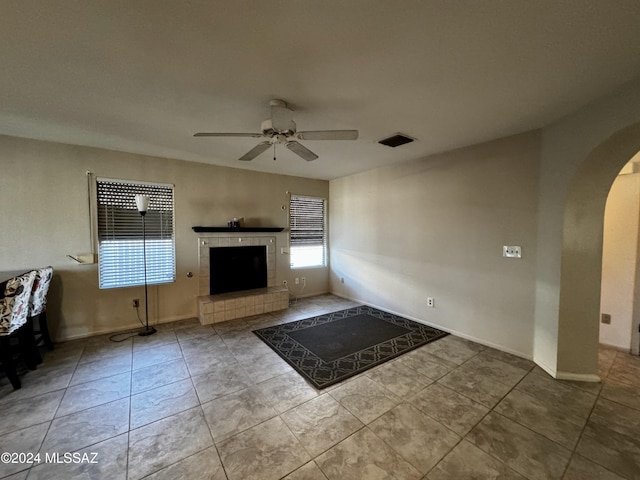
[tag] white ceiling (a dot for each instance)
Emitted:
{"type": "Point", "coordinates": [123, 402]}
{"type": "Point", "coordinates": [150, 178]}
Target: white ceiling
{"type": "Point", "coordinates": [143, 75]}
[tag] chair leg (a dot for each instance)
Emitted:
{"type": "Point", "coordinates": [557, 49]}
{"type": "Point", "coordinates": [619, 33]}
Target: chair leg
{"type": "Point", "coordinates": [7, 362]}
{"type": "Point", "coordinates": [28, 347]}
{"type": "Point", "coordinates": [44, 330]}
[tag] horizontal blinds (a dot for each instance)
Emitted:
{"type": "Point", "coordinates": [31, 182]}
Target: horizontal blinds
{"type": "Point", "coordinates": [307, 221]}
{"type": "Point", "coordinates": [120, 234]}
{"type": "Point", "coordinates": [118, 216]}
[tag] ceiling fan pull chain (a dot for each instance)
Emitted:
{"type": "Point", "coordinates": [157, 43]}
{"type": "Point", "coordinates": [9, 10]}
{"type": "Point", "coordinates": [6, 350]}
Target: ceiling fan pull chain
{"type": "Point", "coordinates": [274, 152]}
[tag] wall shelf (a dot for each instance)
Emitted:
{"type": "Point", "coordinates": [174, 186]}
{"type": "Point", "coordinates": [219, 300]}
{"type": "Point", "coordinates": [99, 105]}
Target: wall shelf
{"type": "Point", "coordinates": [237, 229]}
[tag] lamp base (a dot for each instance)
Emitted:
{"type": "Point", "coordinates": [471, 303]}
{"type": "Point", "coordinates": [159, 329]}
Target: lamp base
{"type": "Point", "coordinates": [147, 331]}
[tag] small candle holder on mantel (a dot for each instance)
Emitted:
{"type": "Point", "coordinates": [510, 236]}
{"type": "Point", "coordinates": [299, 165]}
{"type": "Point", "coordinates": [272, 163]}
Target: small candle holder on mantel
{"type": "Point", "coordinates": [236, 222]}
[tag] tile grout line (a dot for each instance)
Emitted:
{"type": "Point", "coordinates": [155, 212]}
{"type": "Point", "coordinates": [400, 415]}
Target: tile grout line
{"type": "Point", "coordinates": [57, 408]}
{"type": "Point", "coordinates": [126, 470]}
{"type": "Point", "coordinates": [464, 437]}
{"type": "Point", "coordinates": [491, 410]}
{"type": "Point", "coordinates": [584, 428]}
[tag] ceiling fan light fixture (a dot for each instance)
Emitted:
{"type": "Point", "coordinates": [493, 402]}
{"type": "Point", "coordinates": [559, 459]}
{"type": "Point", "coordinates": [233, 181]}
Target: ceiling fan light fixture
{"type": "Point", "coordinates": [280, 139]}
{"type": "Point", "coordinates": [268, 129]}
{"type": "Point", "coordinates": [396, 140]}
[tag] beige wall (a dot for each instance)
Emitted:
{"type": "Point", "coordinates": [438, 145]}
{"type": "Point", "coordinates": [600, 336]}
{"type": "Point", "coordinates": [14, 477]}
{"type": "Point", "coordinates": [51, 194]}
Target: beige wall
{"type": "Point", "coordinates": [619, 260]}
{"type": "Point", "coordinates": [45, 216]}
{"type": "Point", "coordinates": [435, 228]}
{"type": "Point", "coordinates": [401, 234]}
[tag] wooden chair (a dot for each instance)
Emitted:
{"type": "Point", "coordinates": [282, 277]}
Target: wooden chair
{"type": "Point", "coordinates": [14, 316]}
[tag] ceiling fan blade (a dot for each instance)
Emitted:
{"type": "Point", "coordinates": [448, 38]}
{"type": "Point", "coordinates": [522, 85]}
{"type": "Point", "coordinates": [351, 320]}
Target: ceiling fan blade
{"type": "Point", "coordinates": [301, 151]}
{"type": "Point", "coordinates": [255, 151]}
{"type": "Point", "coordinates": [209, 134]}
{"type": "Point", "coordinates": [328, 135]}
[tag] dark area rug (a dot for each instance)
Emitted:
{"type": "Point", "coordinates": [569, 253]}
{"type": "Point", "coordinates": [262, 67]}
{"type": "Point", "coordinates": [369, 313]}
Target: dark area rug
{"type": "Point", "coordinates": [332, 347]}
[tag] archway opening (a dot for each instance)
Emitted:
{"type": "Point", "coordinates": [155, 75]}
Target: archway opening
{"type": "Point", "coordinates": [620, 254]}
{"type": "Point", "coordinates": [581, 268]}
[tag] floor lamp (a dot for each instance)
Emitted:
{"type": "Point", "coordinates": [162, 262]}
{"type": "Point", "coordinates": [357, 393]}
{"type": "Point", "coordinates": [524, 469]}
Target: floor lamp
{"type": "Point", "coordinates": [142, 202]}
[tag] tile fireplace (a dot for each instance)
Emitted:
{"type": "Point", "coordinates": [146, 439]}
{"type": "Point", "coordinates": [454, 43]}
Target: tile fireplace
{"type": "Point", "coordinates": [237, 300]}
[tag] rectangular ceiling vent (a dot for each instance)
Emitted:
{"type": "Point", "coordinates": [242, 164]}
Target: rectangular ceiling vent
{"type": "Point", "coordinates": [396, 140]}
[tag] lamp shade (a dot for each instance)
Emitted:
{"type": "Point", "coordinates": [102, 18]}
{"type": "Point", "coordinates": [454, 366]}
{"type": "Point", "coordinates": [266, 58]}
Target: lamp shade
{"type": "Point", "coordinates": [142, 202]}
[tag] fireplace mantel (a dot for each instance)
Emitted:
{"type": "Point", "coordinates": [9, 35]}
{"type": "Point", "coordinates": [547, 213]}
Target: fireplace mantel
{"type": "Point", "coordinates": [237, 229]}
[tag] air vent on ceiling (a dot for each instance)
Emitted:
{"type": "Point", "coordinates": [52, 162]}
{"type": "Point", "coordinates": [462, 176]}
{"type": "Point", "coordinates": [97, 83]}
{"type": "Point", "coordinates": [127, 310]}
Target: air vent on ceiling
{"type": "Point", "coordinates": [396, 140]}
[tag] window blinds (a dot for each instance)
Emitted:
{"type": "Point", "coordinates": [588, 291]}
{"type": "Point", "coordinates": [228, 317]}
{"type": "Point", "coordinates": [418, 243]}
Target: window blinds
{"type": "Point", "coordinates": [307, 219]}
{"type": "Point", "coordinates": [120, 239]}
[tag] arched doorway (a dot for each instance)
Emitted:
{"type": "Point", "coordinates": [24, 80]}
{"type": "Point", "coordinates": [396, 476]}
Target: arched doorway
{"type": "Point", "coordinates": [581, 264]}
{"type": "Point", "coordinates": [619, 293]}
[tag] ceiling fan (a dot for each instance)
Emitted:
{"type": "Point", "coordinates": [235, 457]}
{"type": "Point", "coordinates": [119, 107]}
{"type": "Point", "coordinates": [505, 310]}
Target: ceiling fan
{"type": "Point", "coordinates": [281, 129]}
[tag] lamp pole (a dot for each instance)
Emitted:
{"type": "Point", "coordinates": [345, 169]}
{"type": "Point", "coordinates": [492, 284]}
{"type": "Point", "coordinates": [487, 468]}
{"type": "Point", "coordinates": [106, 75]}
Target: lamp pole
{"type": "Point", "coordinates": [142, 202]}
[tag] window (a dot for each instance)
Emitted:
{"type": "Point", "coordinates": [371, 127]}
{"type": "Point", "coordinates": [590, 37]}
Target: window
{"type": "Point", "coordinates": [307, 230]}
{"type": "Point", "coordinates": [120, 241]}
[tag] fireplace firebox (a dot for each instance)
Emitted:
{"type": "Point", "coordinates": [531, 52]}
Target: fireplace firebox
{"type": "Point", "coordinates": [233, 269]}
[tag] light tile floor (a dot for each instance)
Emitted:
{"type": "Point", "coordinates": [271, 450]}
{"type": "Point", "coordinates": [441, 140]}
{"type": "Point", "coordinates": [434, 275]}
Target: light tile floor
{"type": "Point", "coordinates": [214, 402]}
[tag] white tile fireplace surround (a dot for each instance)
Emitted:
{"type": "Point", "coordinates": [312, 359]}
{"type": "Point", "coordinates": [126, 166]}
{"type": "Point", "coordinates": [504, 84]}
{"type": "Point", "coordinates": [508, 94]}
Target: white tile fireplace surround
{"type": "Point", "coordinates": [232, 305]}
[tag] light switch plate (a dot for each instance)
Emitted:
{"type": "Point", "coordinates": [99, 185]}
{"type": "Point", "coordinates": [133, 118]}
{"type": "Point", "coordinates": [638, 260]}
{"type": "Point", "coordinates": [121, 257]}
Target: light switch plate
{"type": "Point", "coordinates": [512, 251]}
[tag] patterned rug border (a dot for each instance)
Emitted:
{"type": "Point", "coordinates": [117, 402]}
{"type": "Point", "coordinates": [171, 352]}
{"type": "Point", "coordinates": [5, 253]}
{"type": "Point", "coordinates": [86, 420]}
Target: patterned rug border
{"type": "Point", "coordinates": [323, 374]}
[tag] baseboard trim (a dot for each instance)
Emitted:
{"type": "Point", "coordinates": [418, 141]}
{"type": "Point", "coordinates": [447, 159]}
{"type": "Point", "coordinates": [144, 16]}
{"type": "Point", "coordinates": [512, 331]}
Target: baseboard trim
{"type": "Point", "coordinates": [440, 327]}
{"type": "Point", "coordinates": [130, 328]}
{"type": "Point", "coordinates": [617, 348]}
{"type": "Point", "coordinates": [558, 375]}
{"type": "Point", "coordinates": [578, 377]}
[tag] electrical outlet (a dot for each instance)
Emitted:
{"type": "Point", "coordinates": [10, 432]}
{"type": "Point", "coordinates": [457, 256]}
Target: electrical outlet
{"type": "Point", "coordinates": [135, 303]}
{"type": "Point", "coordinates": [605, 318]}
{"type": "Point", "coordinates": [512, 251]}
{"type": "Point", "coordinates": [297, 281]}
{"type": "Point", "coordinates": [431, 302]}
